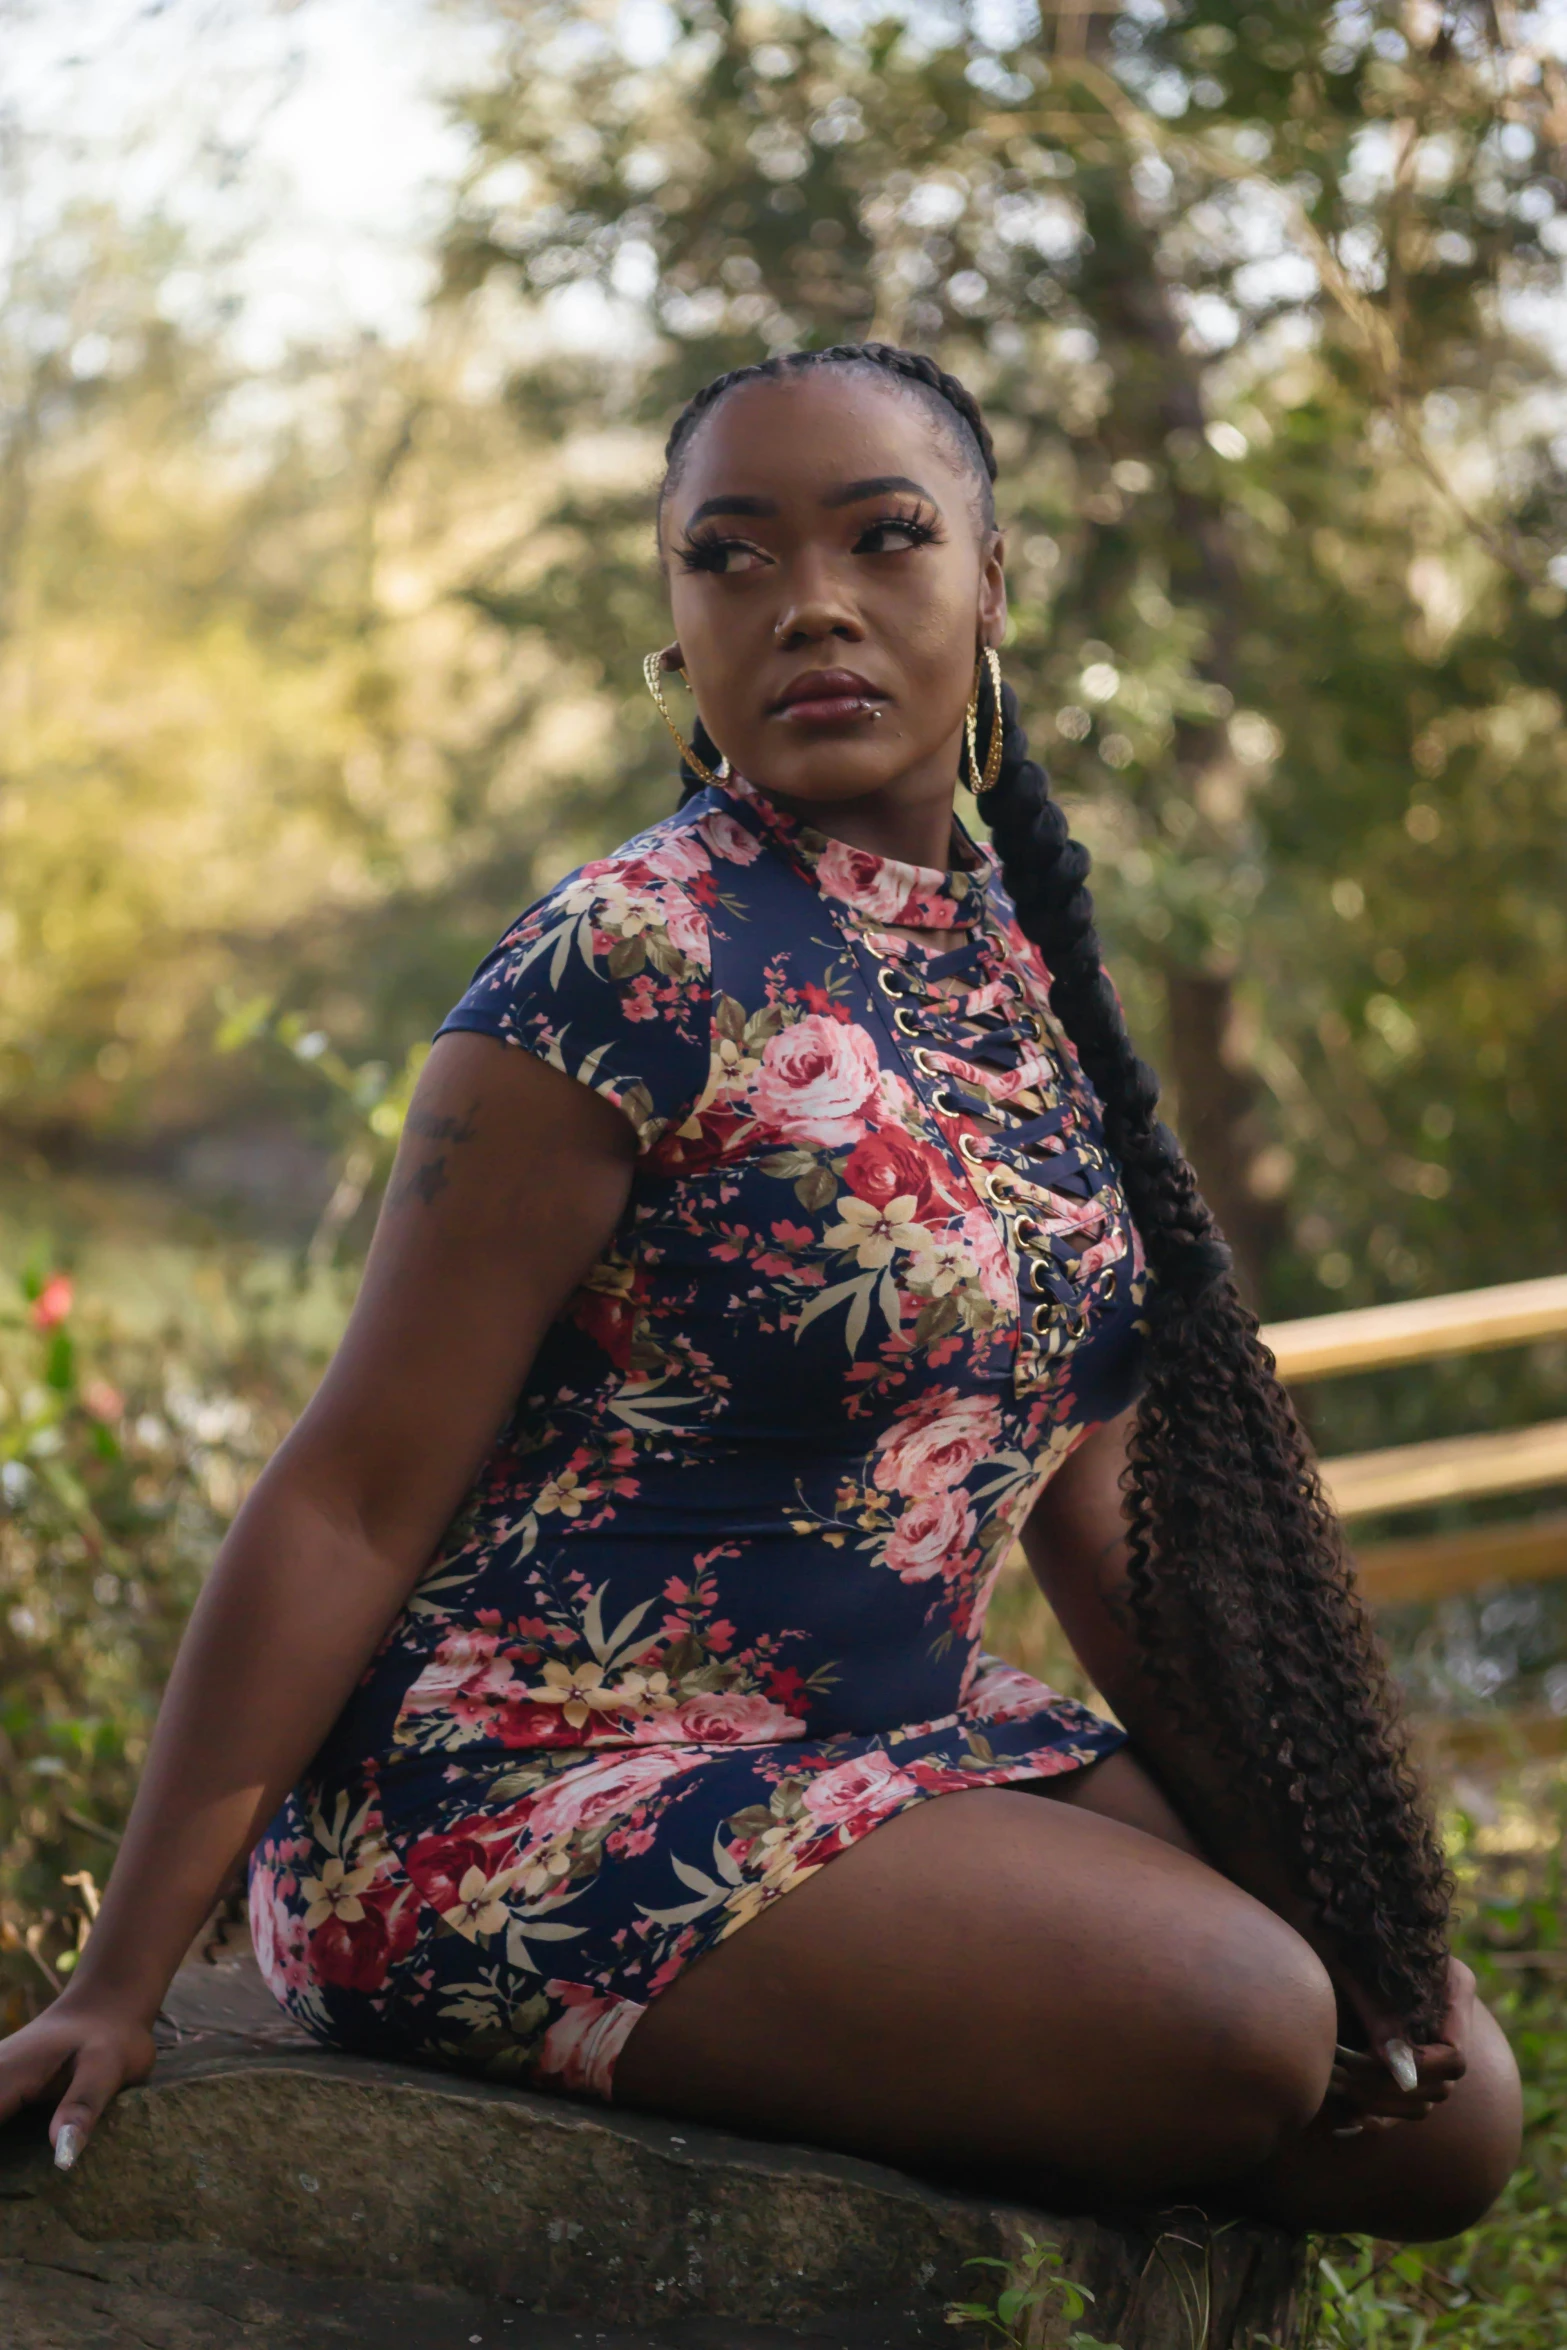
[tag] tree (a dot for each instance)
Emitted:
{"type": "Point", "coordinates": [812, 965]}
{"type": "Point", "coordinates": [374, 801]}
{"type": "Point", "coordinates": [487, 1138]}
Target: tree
{"type": "Point", "coordinates": [1281, 490]}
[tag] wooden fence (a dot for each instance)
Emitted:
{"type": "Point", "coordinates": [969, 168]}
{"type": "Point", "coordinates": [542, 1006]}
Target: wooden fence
{"type": "Point", "coordinates": [1455, 1468]}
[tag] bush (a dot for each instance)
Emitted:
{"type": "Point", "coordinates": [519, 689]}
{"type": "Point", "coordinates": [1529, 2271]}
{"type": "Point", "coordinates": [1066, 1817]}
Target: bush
{"type": "Point", "coordinates": [122, 1459]}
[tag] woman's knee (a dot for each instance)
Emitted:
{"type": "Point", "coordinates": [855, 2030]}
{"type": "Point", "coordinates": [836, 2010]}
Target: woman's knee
{"type": "Point", "coordinates": [1456, 2173]}
{"type": "Point", "coordinates": [1271, 2026]}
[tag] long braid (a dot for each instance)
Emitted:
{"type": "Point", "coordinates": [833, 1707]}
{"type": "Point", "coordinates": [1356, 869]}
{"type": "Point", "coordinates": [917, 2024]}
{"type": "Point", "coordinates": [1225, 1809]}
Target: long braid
{"type": "Point", "coordinates": [1239, 1584]}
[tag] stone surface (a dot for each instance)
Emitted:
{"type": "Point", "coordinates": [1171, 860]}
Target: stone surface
{"type": "Point", "coordinates": [262, 2191]}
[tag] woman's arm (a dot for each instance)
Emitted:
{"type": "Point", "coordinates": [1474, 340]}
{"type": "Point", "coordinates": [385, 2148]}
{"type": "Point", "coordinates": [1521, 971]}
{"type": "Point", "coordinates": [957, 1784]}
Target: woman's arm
{"type": "Point", "coordinates": [509, 1182]}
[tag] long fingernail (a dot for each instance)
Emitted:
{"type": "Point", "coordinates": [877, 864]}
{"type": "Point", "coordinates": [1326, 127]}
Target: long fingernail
{"type": "Point", "coordinates": [1350, 2130]}
{"type": "Point", "coordinates": [67, 2146]}
{"type": "Point", "coordinates": [1401, 2064]}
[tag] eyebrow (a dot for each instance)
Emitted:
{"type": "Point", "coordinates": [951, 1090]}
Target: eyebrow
{"type": "Point", "coordinates": [876, 485]}
{"type": "Point", "coordinates": [849, 493]}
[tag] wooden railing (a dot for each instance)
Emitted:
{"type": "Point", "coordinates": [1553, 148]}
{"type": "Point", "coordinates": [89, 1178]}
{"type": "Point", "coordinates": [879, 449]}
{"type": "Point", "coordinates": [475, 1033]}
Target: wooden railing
{"type": "Point", "coordinates": [1455, 1468]}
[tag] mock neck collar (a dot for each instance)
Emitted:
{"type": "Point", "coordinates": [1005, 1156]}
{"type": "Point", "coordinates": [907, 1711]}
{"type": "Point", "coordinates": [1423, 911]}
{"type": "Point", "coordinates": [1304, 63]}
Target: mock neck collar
{"type": "Point", "coordinates": [875, 890]}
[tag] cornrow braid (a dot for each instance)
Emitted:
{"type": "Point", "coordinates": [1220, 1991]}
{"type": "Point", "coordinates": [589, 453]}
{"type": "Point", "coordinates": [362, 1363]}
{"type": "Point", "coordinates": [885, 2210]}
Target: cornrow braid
{"type": "Point", "coordinates": [952, 403]}
{"type": "Point", "coordinates": [1239, 1583]}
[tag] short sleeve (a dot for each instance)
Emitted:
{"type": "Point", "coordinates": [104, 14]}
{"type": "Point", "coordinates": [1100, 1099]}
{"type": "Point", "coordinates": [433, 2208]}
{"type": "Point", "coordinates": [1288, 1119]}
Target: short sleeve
{"type": "Point", "coordinates": [608, 978]}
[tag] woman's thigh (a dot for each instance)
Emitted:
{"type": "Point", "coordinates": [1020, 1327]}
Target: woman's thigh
{"type": "Point", "coordinates": [991, 1986]}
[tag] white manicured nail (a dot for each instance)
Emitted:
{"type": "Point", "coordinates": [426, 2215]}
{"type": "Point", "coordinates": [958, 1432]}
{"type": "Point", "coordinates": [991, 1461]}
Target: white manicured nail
{"type": "Point", "coordinates": [67, 2146]}
{"type": "Point", "coordinates": [1401, 2064]}
{"type": "Point", "coordinates": [1350, 2130]}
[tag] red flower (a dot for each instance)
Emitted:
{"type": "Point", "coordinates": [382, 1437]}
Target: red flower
{"type": "Point", "coordinates": [53, 1302]}
{"type": "Point", "coordinates": [677, 1153]}
{"type": "Point", "coordinates": [609, 1318]}
{"type": "Point", "coordinates": [358, 1954]}
{"type": "Point", "coordinates": [890, 1164]}
{"type": "Point", "coordinates": [438, 1865]}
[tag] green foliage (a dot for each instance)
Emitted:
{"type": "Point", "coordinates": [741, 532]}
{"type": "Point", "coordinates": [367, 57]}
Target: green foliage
{"type": "Point", "coordinates": [1037, 2286]}
{"type": "Point", "coordinates": [1503, 2285]}
{"type": "Point", "coordinates": [122, 1458]}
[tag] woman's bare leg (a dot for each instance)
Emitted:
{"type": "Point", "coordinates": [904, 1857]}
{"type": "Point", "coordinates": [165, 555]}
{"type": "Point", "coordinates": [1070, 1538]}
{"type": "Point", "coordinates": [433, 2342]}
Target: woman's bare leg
{"type": "Point", "coordinates": [1046, 1998]}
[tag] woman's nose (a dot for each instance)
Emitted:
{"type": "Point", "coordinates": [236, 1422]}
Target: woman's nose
{"type": "Point", "coordinates": [816, 608]}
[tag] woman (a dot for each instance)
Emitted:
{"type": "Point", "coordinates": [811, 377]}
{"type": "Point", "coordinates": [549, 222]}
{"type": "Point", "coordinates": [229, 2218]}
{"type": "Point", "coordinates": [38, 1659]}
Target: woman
{"type": "Point", "coordinates": [792, 1204]}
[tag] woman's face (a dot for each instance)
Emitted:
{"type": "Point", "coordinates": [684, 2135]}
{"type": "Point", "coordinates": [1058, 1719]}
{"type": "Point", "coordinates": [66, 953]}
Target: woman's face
{"type": "Point", "coordinates": [831, 584]}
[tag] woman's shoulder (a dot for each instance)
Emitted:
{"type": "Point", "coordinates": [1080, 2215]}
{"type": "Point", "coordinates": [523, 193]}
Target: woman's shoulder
{"type": "Point", "coordinates": [644, 906]}
{"type": "Point", "coordinates": [608, 975]}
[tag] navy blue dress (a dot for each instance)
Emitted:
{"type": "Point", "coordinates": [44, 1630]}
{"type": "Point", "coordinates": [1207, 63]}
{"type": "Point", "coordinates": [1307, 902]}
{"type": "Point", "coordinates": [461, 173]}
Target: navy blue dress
{"type": "Point", "coordinates": [711, 1610]}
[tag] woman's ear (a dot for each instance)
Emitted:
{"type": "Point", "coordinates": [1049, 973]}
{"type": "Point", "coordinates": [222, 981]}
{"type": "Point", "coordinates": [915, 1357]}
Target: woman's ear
{"type": "Point", "coordinates": [993, 593]}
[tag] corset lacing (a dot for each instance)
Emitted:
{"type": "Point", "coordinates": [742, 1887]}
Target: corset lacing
{"type": "Point", "coordinates": [999, 1084]}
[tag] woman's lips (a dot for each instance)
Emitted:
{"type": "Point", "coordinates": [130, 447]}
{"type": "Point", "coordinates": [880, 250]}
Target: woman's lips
{"type": "Point", "coordinates": [827, 697]}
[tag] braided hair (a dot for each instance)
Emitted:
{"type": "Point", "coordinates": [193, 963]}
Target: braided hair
{"type": "Point", "coordinates": [1239, 1585]}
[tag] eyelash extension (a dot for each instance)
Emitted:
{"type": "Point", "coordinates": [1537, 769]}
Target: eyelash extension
{"type": "Point", "coordinates": [922, 532]}
{"type": "Point", "coordinates": [707, 553]}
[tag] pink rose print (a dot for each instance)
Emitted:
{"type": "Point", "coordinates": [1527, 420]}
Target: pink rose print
{"type": "Point", "coordinates": [729, 840]}
{"type": "Point", "coordinates": [463, 1674]}
{"type": "Point", "coordinates": [278, 1935]}
{"type": "Point", "coordinates": [932, 1534]}
{"type": "Point", "coordinates": [942, 1439]}
{"type": "Point", "coordinates": [680, 856]}
{"type": "Point", "coordinates": [874, 886]}
{"type": "Point", "coordinates": [686, 924]}
{"type": "Point", "coordinates": [726, 1718]}
{"type": "Point", "coordinates": [987, 1251]}
{"type": "Point", "coordinates": [1001, 1693]}
{"type": "Point", "coordinates": [600, 1790]}
{"type": "Point", "coordinates": [868, 1784]}
{"type": "Point", "coordinates": [815, 1080]}
{"type": "Point", "coordinates": [580, 2047]}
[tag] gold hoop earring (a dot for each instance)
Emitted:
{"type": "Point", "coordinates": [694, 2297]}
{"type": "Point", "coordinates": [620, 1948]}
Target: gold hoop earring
{"type": "Point", "coordinates": [652, 671]}
{"type": "Point", "coordinates": [984, 780]}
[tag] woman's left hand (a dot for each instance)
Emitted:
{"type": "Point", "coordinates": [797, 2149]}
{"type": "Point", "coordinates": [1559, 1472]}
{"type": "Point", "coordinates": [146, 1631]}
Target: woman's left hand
{"type": "Point", "coordinates": [1394, 2081]}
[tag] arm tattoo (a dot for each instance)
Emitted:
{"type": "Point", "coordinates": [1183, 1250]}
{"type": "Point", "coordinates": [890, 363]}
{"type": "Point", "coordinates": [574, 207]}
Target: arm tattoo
{"type": "Point", "coordinates": [427, 1181]}
{"type": "Point", "coordinates": [445, 1129]}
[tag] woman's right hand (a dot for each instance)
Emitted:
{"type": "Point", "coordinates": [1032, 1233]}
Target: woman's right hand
{"type": "Point", "coordinates": [84, 2051]}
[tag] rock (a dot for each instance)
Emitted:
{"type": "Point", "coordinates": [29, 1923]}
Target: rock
{"type": "Point", "coordinates": [260, 2190]}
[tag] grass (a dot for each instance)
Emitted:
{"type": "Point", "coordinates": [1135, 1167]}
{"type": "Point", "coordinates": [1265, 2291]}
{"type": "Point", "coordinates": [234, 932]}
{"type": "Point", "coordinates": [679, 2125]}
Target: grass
{"type": "Point", "coordinates": [1503, 2286]}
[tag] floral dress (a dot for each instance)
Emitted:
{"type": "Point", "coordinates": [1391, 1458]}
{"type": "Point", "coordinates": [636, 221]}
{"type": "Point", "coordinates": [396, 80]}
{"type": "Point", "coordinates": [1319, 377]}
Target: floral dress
{"type": "Point", "coordinates": [711, 1610]}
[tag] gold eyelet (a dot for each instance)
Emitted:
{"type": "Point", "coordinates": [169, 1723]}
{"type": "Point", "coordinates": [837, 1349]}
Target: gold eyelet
{"type": "Point", "coordinates": [1034, 1322]}
{"type": "Point", "coordinates": [885, 975]}
{"type": "Point", "coordinates": [973, 1150]}
{"type": "Point", "coordinates": [904, 1021]}
{"type": "Point", "coordinates": [924, 1063]}
{"type": "Point", "coordinates": [998, 1194]}
{"type": "Point", "coordinates": [1036, 1286]}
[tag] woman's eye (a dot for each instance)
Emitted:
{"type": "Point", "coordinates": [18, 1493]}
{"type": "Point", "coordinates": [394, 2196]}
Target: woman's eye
{"type": "Point", "coordinates": [725, 556]}
{"type": "Point", "coordinates": [894, 535]}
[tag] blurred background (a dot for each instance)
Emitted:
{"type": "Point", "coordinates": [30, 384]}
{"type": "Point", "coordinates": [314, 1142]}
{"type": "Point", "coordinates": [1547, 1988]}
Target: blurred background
{"type": "Point", "coordinates": [338, 343]}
